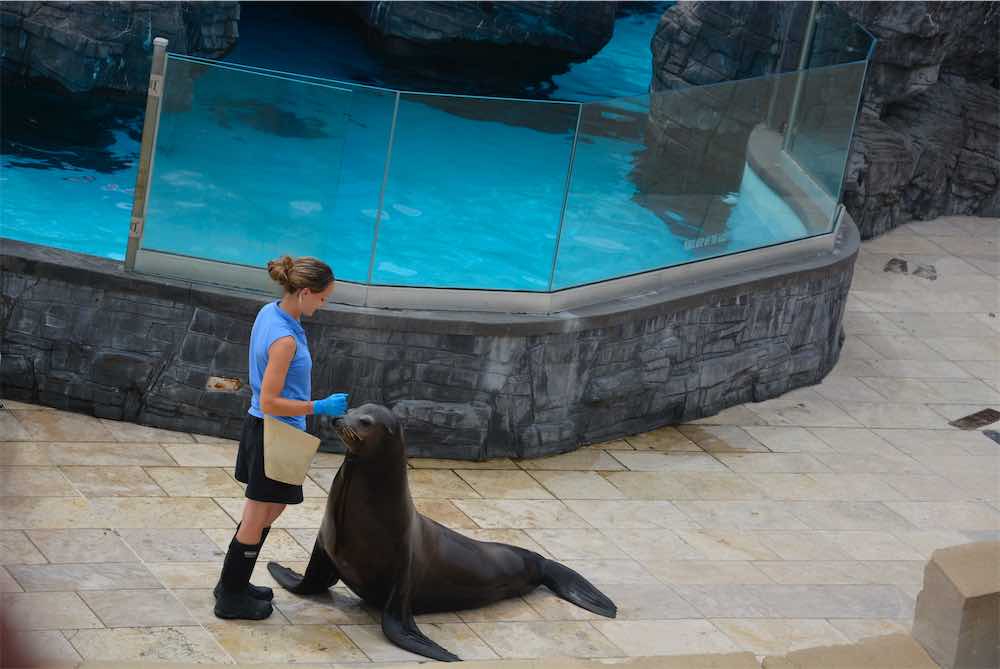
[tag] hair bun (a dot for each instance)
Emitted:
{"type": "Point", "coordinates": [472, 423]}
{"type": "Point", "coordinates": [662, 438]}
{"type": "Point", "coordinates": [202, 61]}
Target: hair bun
{"type": "Point", "coordinates": [280, 269]}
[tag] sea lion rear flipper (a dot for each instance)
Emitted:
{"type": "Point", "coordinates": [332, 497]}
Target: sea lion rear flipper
{"type": "Point", "coordinates": [572, 587]}
{"type": "Point", "coordinates": [400, 628]}
{"type": "Point", "coordinates": [321, 574]}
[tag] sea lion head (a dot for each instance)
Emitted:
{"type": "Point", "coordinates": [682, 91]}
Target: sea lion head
{"type": "Point", "coordinates": [368, 430]}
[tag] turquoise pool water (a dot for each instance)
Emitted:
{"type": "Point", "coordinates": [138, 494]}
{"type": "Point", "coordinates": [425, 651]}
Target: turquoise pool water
{"type": "Point", "coordinates": [252, 166]}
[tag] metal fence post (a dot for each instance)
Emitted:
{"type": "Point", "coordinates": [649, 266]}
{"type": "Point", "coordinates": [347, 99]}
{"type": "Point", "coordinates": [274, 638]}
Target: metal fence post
{"type": "Point", "coordinates": [565, 200]}
{"type": "Point", "coordinates": [150, 126]}
{"type": "Point", "coordinates": [381, 192]}
{"type": "Point", "coordinates": [800, 82]}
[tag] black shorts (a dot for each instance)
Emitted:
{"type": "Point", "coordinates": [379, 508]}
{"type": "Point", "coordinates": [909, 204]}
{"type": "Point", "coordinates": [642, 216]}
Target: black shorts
{"type": "Point", "coordinates": [250, 468]}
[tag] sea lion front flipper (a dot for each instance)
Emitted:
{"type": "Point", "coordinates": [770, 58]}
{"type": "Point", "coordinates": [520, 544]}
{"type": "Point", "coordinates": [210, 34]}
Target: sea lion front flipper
{"type": "Point", "coordinates": [399, 627]}
{"type": "Point", "coordinates": [321, 574]}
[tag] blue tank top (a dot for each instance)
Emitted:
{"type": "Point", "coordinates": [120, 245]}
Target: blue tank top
{"type": "Point", "coordinates": [273, 323]}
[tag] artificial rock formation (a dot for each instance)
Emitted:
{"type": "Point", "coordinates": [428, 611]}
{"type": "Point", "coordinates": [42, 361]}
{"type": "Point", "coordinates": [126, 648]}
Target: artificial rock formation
{"type": "Point", "coordinates": [108, 45]}
{"type": "Point", "coordinates": [928, 140]}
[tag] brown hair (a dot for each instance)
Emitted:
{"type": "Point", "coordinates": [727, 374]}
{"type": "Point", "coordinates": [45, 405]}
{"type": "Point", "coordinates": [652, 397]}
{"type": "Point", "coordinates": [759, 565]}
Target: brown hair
{"type": "Point", "coordinates": [298, 273]}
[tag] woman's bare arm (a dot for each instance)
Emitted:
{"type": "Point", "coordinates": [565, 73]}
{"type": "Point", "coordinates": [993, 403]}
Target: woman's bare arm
{"type": "Point", "coordinates": [280, 356]}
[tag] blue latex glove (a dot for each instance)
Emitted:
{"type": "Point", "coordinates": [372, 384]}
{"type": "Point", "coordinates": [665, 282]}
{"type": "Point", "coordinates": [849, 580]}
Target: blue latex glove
{"type": "Point", "coordinates": [334, 405]}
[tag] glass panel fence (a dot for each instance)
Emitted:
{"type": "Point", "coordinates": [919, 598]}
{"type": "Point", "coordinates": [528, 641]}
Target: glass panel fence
{"type": "Point", "coordinates": [474, 192]}
{"type": "Point", "coordinates": [247, 166]}
{"type": "Point", "coordinates": [693, 173]}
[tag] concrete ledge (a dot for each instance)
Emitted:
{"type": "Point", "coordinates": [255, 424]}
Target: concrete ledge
{"type": "Point", "coordinates": [957, 618]}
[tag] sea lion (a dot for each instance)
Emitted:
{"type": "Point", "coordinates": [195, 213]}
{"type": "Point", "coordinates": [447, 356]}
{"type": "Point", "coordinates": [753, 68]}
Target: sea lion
{"type": "Point", "coordinates": [403, 563]}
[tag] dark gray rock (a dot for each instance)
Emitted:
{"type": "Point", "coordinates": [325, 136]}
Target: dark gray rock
{"type": "Point", "coordinates": [95, 45]}
{"type": "Point", "coordinates": [927, 143]}
{"type": "Point", "coordinates": [578, 29]}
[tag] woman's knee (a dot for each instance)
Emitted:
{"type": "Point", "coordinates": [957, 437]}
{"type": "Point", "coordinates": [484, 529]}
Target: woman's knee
{"type": "Point", "coordinates": [275, 511]}
{"type": "Point", "coordinates": [256, 516]}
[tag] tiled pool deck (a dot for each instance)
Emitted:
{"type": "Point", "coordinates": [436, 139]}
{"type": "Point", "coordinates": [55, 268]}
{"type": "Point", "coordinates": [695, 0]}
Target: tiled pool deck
{"type": "Point", "coordinates": [796, 522]}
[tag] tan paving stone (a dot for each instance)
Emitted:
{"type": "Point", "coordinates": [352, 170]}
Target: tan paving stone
{"type": "Point", "coordinates": [334, 607]}
{"type": "Point", "coordinates": [900, 347]}
{"type": "Point", "coordinates": [940, 442]}
{"type": "Point", "coordinates": [871, 545]}
{"type": "Point", "coordinates": [248, 643]}
{"type": "Point", "coordinates": [520, 514]}
{"type": "Point", "coordinates": [577, 485]}
{"type": "Point", "coordinates": [195, 481]}
{"type": "Point", "coordinates": [934, 390]}
{"type": "Point", "coordinates": [797, 601]}
{"type": "Point", "coordinates": [11, 428]}
{"type": "Point", "coordinates": [455, 515]}
{"type": "Point", "coordinates": [716, 544]}
{"type": "Point", "coordinates": [838, 388]}
{"type": "Point", "coordinates": [756, 514]}
{"type": "Point", "coordinates": [722, 438]}
{"type": "Point", "coordinates": [703, 572]}
{"type": "Point", "coordinates": [663, 439]}
{"type": "Point", "coordinates": [948, 515]}
{"type": "Point", "coordinates": [773, 462]}
{"type": "Point", "coordinates": [582, 460]}
{"type": "Point", "coordinates": [543, 639]}
{"type": "Point", "coordinates": [108, 454]}
{"type": "Point", "coordinates": [656, 544]}
{"type": "Point", "coordinates": [630, 514]}
{"type": "Point", "coordinates": [203, 455]}
{"type": "Point", "coordinates": [61, 426]}
{"type": "Point", "coordinates": [69, 577]}
{"type": "Point", "coordinates": [577, 544]}
{"type": "Point", "coordinates": [867, 463]}
{"type": "Point", "coordinates": [666, 637]}
{"type": "Point", "coordinates": [856, 629]}
{"type": "Point", "coordinates": [925, 542]}
{"type": "Point", "coordinates": [17, 453]}
{"type": "Point", "coordinates": [440, 484]}
{"type": "Point", "coordinates": [22, 513]}
{"type": "Point", "coordinates": [810, 545]}
{"type": "Point", "coordinates": [35, 482]}
{"type": "Point", "coordinates": [788, 439]}
{"type": "Point", "coordinates": [49, 648]}
{"type": "Point", "coordinates": [845, 515]}
{"type": "Point", "coordinates": [323, 477]}
{"type": "Point", "coordinates": [675, 462]}
{"type": "Point", "coordinates": [719, 486]}
{"type": "Point", "coordinates": [776, 637]}
{"type": "Point", "coordinates": [132, 432]}
{"type": "Point", "coordinates": [926, 487]}
{"type": "Point", "coordinates": [860, 440]}
{"type": "Point", "coordinates": [894, 415]}
{"type": "Point", "coordinates": [158, 512]}
{"type": "Point", "coordinates": [137, 608]}
{"type": "Point", "coordinates": [508, 610]}
{"type": "Point", "coordinates": [814, 413]}
{"type": "Point", "coordinates": [505, 536]}
{"type": "Point", "coordinates": [150, 644]}
{"type": "Point", "coordinates": [47, 611]}
{"type": "Point", "coordinates": [7, 582]}
{"type": "Point", "coordinates": [738, 415]}
{"type": "Point", "coordinates": [16, 548]}
{"type": "Point", "coordinates": [504, 484]}
{"type": "Point", "coordinates": [173, 545]}
{"type": "Point", "coordinates": [649, 485]}
{"type": "Point", "coordinates": [201, 605]}
{"type": "Point", "coordinates": [612, 572]}
{"type": "Point", "coordinates": [105, 481]}
{"type": "Point", "coordinates": [456, 637]}
{"type": "Point", "coordinates": [206, 439]}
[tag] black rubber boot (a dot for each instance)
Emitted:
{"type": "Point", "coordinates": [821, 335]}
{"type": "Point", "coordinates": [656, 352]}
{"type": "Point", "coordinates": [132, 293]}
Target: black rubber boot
{"type": "Point", "coordinates": [234, 600]}
{"type": "Point", "coordinates": [260, 592]}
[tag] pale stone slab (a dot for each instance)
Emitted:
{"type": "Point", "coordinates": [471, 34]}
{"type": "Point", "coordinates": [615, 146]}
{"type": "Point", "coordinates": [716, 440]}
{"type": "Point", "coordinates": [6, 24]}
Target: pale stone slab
{"type": "Point", "coordinates": [203, 455]}
{"type": "Point", "coordinates": [132, 432]}
{"type": "Point", "coordinates": [159, 512]}
{"type": "Point", "coordinates": [438, 484]}
{"type": "Point", "coordinates": [894, 415]}
{"type": "Point", "coordinates": [925, 542]}
{"type": "Point", "coordinates": [577, 544]}
{"type": "Point", "coordinates": [137, 608]}
{"type": "Point", "coordinates": [705, 572]}
{"type": "Point", "coordinates": [860, 440]}
{"type": "Point", "coordinates": [178, 576]}
{"type": "Point", "coordinates": [577, 485]}
{"type": "Point", "coordinates": [46, 648]}
{"type": "Point", "coordinates": [521, 514]}
{"type": "Point", "coordinates": [612, 572]}
{"type": "Point", "coordinates": [507, 610]}
{"type": "Point", "coordinates": [917, 369]}
{"type": "Point", "coordinates": [7, 582]}
{"type": "Point", "coordinates": [857, 629]}
{"type": "Point", "coordinates": [206, 439]}
{"type": "Point", "coordinates": [966, 348]}
{"type": "Point", "coordinates": [722, 438]}
{"type": "Point", "coordinates": [23, 513]}
{"type": "Point", "coordinates": [164, 644]}
{"type": "Point", "coordinates": [820, 487]}
{"type": "Point", "coordinates": [900, 347]}
{"type": "Point", "coordinates": [100, 576]}
{"type": "Point", "coordinates": [542, 639]}
{"type": "Point", "coordinates": [630, 514]}
{"type": "Point", "coordinates": [17, 453]}
{"type": "Point", "coordinates": [797, 601]}
{"type": "Point", "coordinates": [775, 637]}
{"type": "Point", "coordinates": [665, 637]}
{"type": "Point", "coordinates": [869, 463]}
{"type": "Point", "coordinates": [871, 545]}
{"type": "Point", "coordinates": [741, 515]}
{"type": "Point", "coordinates": [503, 484]}
{"type": "Point", "coordinates": [654, 544]}
{"type": "Point", "coordinates": [848, 516]}
{"type": "Point", "coordinates": [773, 462]}
{"type": "Point", "coordinates": [801, 545]}
{"type": "Point", "coordinates": [173, 545]}
{"type": "Point", "coordinates": [35, 482]}
{"type": "Point", "coordinates": [16, 548]}
{"type": "Point", "coordinates": [101, 454]}
{"type": "Point", "coordinates": [738, 415]}
{"type": "Point", "coordinates": [61, 426]}
{"type": "Point", "coordinates": [323, 477]}
{"type": "Point", "coordinates": [934, 390]}
{"type": "Point", "coordinates": [456, 637]}
{"type": "Point", "coordinates": [788, 439]}
{"type": "Point", "coordinates": [47, 611]}
{"type": "Point", "coordinates": [861, 322]}
{"type": "Point", "coordinates": [11, 428]}
{"type": "Point", "coordinates": [948, 515]}
{"type": "Point", "coordinates": [649, 485]}
{"type": "Point", "coordinates": [816, 572]}
{"type": "Point", "coordinates": [106, 481]}
{"type": "Point", "coordinates": [333, 607]}
{"type": "Point", "coordinates": [715, 544]}
{"type": "Point", "coordinates": [506, 536]}
{"type": "Point", "coordinates": [850, 388]}
{"type": "Point", "coordinates": [807, 413]}
{"type": "Point", "coordinates": [195, 481]}
{"type": "Point", "coordinates": [926, 488]}
{"type": "Point", "coordinates": [717, 486]}
{"type": "Point", "coordinates": [675, 462]}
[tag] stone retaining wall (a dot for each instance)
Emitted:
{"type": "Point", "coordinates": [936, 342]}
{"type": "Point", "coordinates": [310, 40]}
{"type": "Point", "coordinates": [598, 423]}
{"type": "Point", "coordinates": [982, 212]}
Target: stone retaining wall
{"type": "Point", "coordinates": [78, 333]}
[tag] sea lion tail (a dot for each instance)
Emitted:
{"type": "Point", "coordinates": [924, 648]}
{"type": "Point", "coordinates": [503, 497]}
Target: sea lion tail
{"type": "Point", "coordinates": [572, 587]}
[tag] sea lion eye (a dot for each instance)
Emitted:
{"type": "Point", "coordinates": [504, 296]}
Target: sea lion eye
{"type": "Point", "coordinates": [366, 421]}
